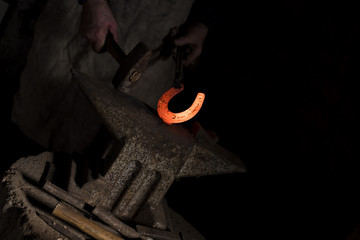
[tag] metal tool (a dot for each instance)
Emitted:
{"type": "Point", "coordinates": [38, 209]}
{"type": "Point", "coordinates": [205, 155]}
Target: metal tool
{"type": "Point", "coordinates": [132, 65]}
{"type": "Point", "coordinates": [86, 225]}
{"type": "Point", "coordinates": [163, 109]}
{"type": "Point", "coordinates": [98, 211]}
{"type": "Point", "coordinates": [67, 213]}
{"type": "Point", "coordinates": [61, 226]}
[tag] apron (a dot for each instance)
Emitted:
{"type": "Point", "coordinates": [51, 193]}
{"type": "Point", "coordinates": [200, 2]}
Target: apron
{"type": "Point", "coordinates": [49, 107]}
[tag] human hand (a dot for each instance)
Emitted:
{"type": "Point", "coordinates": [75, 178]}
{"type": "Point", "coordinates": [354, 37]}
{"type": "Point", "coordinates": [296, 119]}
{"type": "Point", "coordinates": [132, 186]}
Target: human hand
{"type": "Point", "coordinates": [193, 38]}
{"type": "Point", "coordinates": [97, 21]}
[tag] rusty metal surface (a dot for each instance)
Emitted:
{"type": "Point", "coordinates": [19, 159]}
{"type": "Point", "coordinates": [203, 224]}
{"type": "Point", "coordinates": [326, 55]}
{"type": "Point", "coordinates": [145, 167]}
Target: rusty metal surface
{"type": "Point", "coordinates": [143, 160]}
{"type": "Point", "coordinates": [164, 152]}
{"type": "Point", "coordinates": [156, 233]}
{"type": "Point", "coordinates": [19, 218]}
{"type": "Point", "coordinates": [26, 209]}
{"type": "Point", "coordinates": [115, 223]}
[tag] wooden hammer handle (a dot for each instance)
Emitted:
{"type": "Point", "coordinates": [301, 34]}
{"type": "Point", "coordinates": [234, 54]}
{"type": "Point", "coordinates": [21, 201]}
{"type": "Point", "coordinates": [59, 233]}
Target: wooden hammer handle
{"type": "Point", "coordinates": [84, 224]}
{"type": "Point", "coordinates": [114, 49]}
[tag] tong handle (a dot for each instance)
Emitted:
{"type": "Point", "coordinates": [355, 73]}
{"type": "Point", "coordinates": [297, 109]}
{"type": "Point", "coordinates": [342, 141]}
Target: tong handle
{"type": "Point", "coordinates": [179, 76]}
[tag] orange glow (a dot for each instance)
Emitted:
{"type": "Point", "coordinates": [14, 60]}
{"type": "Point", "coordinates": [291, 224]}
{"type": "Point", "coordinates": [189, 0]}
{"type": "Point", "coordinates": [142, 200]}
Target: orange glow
{"type": "Point", "coordinates": [169, 117]}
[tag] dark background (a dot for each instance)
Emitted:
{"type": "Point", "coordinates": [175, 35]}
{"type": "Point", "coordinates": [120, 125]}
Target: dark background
{"type": "Point", "coordinates": [282, 84]}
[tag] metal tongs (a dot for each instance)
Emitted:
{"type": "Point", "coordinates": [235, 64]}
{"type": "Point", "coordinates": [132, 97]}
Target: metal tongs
{"type": "Point", "coordinates": [179, 75]}
{"type": "Point", "coordinates": [164, 113]}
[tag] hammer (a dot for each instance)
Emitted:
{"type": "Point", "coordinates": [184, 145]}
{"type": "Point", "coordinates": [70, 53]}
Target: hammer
{"type": "Point", "coordinates": [132, 65]}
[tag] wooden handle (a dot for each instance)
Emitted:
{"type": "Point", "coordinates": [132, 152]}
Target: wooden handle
{"type": "Point", "coordinates": [114, 49]}
{"type": "Point", "coordinates": [84, 224]}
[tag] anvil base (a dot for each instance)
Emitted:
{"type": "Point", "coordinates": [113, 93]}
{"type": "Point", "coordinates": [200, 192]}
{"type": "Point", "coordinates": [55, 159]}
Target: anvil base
{"type": "Point", "coordinates": [20, 218]}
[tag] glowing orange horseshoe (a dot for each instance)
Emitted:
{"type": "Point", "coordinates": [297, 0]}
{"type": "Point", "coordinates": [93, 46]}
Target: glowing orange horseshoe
{"type": "Point", "coordinates": [169, 117]}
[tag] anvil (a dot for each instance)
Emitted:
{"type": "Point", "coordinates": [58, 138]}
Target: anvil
{"type": "Point", "coordinates": [146, 157]}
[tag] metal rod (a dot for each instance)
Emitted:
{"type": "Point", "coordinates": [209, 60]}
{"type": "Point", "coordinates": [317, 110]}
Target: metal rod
{"type": "Point", "coordinates": [40, 196]}
{"type": "Point", "coordinates": [115, 223]}
{"type": "Point", "coordinates": [179, 68]}
{"type": "Point", "coordinates": [63, 195]}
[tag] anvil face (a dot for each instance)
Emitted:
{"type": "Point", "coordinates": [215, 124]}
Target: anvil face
{"type": "Point", "coordinates": [153, 154]}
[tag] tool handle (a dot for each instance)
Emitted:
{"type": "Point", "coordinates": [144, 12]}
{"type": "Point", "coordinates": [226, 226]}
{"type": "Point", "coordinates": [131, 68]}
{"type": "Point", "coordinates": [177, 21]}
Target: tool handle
{"type": "Point", "coordinates": [113, 48]}
{"type": "Point", "coordinates": [179, 68]}
{"type": "Point", "coordinates": [84, 224]}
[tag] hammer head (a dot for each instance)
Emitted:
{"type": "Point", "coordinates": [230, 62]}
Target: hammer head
{"type": "Point", "coordinates": [132, 67]}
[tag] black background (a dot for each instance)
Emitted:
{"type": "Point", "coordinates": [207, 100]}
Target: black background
{"type": "Point", "coordinates": [281, 83]}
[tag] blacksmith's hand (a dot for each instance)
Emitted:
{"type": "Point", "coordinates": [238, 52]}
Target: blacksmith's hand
{"type": "Point", "coordinates": [97, 21]}
{"type": "Point", "coordinates": [193, 38]}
